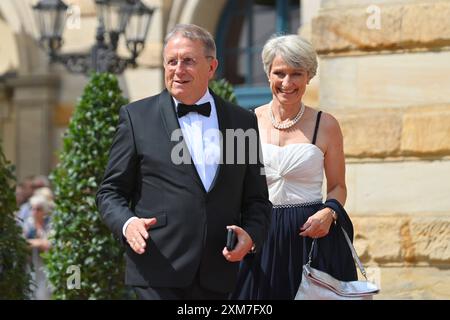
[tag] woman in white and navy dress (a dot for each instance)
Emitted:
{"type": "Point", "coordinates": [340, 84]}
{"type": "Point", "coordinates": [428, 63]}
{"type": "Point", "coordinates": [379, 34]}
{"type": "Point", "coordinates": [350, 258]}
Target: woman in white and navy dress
{"type": "Point", "coordinates": [299, 145]}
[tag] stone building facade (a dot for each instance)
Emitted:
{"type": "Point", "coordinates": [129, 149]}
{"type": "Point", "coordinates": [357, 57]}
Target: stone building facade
{"type": "Point", "coordinates": [385, 75]}
{"type": "Point", "coordinates": [383, 72]}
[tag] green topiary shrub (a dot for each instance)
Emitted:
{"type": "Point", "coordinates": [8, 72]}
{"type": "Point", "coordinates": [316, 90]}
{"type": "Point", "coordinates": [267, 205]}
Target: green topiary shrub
{"type": "Point", "coordinates": [14, 251]}
{"type": "Point", "coordinates": [82, 246]}
{"type": "Point", "coordinates": [223, 89]}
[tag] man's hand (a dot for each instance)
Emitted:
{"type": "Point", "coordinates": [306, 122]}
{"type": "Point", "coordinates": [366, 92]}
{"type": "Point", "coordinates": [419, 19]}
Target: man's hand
{"type": "Point", "coordinates": [136, 233]}
{"type": "Point", "coordinates": [243, 246]}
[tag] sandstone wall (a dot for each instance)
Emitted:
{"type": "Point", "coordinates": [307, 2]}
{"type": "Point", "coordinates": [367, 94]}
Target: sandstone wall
{"type": "Point", "coordinates": [384, 75]}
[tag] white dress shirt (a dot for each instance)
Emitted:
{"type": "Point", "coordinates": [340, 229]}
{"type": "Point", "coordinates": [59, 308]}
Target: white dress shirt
{"type": "Point", "coordinates": [202, 137]}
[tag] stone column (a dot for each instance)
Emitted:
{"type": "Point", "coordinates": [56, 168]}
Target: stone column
{"type": "Point", "coordinates": [34, 98]}
{"type": "Point", "coordinates": [384, 75]}
{"type": "Point", "coordinates": [7, 124]}
{"type": "Point", "coordinates": [4, 109]}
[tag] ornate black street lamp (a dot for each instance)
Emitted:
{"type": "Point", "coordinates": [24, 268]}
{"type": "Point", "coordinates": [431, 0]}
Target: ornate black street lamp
{"type": "Point", "coordinates": [115, 17]}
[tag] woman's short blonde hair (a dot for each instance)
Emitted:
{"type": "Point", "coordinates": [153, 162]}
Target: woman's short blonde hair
{"type": "Point", "coordinates": [39, 201]}
{"type": "Point", "coordinates": [294, 50]}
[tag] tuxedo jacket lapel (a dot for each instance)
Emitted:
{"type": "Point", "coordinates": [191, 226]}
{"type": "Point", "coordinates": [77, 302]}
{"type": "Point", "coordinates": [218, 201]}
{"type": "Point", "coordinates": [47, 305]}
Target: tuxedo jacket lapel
{"type": "Point", "coordinates": [168, 114]}
{"type": "Point", "coordinates": [170, 122]}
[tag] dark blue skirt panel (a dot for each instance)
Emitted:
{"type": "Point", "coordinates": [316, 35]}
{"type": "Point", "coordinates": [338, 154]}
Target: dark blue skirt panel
{"type": "Point", "coordinates": [275, 272]}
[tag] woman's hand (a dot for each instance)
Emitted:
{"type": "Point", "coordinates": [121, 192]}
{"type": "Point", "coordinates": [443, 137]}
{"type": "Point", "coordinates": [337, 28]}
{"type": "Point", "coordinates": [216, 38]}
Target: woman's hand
{"type": "Point", "coordinates": [41, 244]}
{"type": "Point", "coordinates": [318, 225]}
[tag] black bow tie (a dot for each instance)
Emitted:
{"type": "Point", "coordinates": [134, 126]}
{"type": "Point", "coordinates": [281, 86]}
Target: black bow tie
{"type": "Point", "coordinates": [204, 109]}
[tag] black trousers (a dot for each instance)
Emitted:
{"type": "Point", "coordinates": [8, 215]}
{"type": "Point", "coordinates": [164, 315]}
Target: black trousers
{"type": "Point", "coordinates": [193, 292]}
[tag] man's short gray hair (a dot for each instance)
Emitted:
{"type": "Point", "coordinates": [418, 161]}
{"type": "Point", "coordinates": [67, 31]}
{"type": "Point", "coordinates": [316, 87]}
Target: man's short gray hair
{"type": "Point", "coordinates": [294, 50]}
{"type": "Point", "coordinates": [193, 32]}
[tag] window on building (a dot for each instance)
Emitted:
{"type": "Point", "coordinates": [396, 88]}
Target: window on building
{"type": "Point", "coordinates": [244, 27]}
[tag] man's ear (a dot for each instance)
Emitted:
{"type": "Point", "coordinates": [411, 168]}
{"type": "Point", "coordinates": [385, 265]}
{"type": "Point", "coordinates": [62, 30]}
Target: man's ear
{"type": "Point", "coordinates": [213, 67]}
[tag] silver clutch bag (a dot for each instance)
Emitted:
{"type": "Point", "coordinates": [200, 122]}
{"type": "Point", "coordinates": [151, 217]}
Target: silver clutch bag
{"type": "Point", "coordinates": [319, 285]}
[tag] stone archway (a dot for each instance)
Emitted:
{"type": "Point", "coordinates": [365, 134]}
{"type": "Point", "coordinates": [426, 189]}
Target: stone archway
{"type": "Point", "coordinates": [27, 92]}
{"type": "Point", "coordinates": [204, 13]}
{"type": "Point", "coordinates": [23, 53]}
{"type": "Point", "coordinates": [9, 57]}
{"type": "Point", "coordinates": [9, 61]}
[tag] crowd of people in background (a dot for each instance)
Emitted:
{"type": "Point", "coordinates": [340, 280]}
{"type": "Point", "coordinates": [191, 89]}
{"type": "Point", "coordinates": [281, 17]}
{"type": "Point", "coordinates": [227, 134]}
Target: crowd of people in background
{"type": "Point", "coordinates": [35, 201]}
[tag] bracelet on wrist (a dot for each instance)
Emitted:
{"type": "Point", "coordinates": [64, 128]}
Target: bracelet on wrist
{"type": "Point", "coordinates": [334, 206]}
{"type": "Point", "coordinates": [333, 214]}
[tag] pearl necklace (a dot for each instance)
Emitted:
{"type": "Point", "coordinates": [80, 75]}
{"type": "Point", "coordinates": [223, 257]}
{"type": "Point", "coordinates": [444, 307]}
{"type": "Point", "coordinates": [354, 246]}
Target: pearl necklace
{"type": "Point", "coordinates": [290, 123]}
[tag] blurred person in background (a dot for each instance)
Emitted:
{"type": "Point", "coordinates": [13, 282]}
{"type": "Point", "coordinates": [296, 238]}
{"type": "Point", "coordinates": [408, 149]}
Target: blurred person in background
{"type": "Point", "coordinates": [25, 191]}
{"type": "Point", "coordinates": [36, 229]}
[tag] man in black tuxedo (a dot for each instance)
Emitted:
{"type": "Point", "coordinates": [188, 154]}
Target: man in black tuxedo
{"type": "Point", "coordinates": [175, 181]}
